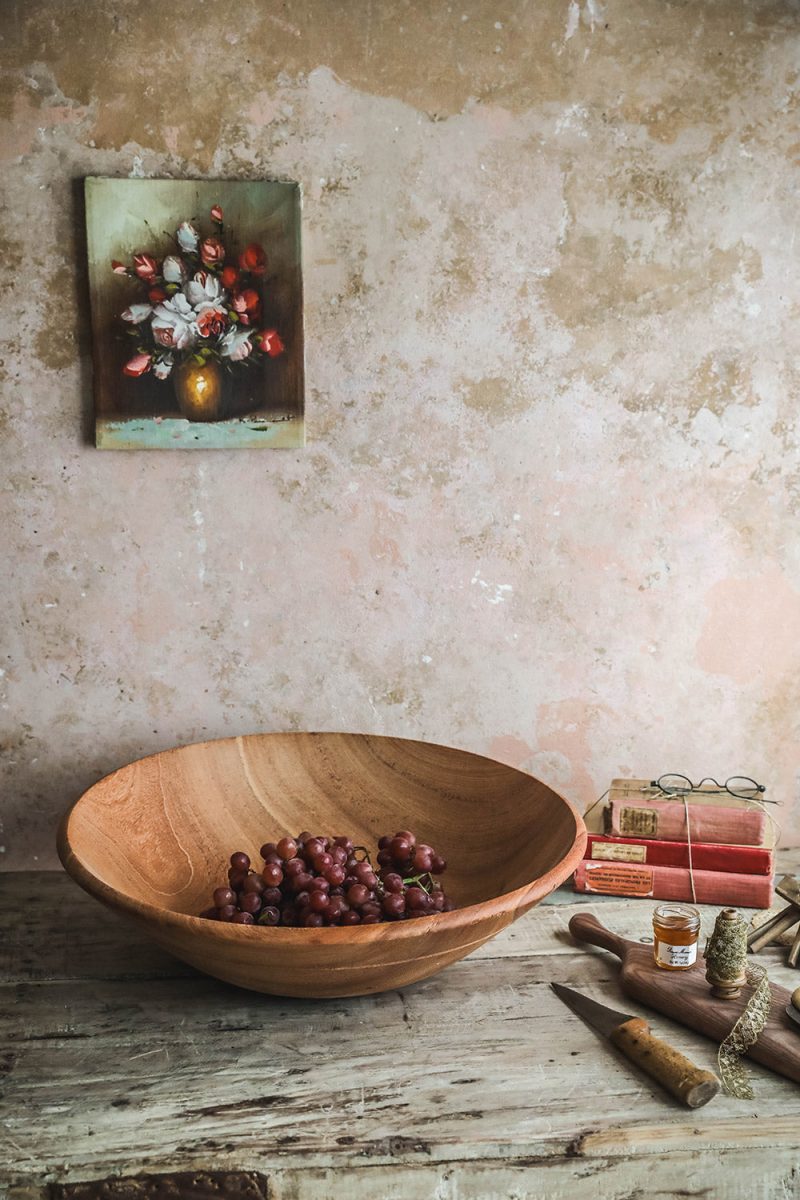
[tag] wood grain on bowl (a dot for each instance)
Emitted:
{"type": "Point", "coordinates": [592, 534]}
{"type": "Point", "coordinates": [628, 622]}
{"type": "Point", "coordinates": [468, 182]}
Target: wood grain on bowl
{"type": "Point", "coordinates": [153, 839]}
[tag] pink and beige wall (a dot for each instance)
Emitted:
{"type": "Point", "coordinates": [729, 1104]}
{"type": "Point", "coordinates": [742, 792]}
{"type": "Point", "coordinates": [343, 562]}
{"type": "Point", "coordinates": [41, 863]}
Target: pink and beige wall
{"type": "Point", "coordinates": [548, 509]}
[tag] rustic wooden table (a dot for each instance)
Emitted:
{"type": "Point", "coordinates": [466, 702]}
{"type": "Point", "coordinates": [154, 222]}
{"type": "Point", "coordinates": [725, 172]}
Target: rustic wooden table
{"type": "Point", "coordinates": [119, 1061]}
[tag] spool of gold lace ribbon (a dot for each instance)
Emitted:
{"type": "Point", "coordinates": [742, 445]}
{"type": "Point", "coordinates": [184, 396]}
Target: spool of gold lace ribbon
{"type": "Point", "coordinates": [727, 969]}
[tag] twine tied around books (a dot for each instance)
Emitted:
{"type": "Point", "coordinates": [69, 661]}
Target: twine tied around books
{"type": "Point", "coordinates": [727, 969]}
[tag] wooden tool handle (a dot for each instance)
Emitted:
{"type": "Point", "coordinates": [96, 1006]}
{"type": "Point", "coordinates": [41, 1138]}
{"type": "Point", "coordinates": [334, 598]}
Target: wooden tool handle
{"type": "Point", "coordinates": [585, 927]}
{"type": "Point", "coordinates": [668, 1067]}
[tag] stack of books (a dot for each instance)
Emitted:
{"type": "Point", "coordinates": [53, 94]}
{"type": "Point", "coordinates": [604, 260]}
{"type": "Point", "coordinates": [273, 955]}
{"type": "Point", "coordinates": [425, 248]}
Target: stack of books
{"type": "Point", "coordinates": [641, 847]}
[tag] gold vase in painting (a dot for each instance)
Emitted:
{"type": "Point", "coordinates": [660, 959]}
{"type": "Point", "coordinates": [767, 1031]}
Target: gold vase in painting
{"type": "Point", "coordinates": [200, 390]}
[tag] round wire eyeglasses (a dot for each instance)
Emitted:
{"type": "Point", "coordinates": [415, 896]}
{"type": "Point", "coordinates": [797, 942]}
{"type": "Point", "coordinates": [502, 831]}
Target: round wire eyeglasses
{"type": "Point", "coordinates": [740, 786]}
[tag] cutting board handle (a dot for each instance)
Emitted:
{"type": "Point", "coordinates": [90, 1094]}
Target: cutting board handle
{"type": "Point", "coordinates": [585, 927]}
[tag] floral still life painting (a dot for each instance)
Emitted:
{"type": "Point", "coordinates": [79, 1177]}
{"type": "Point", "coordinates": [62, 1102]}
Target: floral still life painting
{"type": "Point", "coordinates": [197, 313]}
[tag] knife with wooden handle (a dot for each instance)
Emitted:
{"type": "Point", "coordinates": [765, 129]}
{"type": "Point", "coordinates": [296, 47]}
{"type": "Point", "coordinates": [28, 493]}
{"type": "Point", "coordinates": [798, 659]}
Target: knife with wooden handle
{"type": "Point", "coordinates": [632, 1037]}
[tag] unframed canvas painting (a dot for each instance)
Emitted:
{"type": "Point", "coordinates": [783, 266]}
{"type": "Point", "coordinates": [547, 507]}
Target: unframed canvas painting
{"type": "Point", "coordinates": [197, 313]}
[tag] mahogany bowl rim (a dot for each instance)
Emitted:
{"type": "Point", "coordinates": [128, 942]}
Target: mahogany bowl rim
{"type": "Point", "coordinates": [515, 902]}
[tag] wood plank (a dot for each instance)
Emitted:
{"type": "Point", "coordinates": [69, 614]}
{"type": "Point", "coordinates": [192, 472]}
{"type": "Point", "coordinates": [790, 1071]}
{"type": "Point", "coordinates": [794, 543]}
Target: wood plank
{"type": "Point", "coordinates": [741, 1176]}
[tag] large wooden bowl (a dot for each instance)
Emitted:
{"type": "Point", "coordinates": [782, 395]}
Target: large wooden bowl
{"type": "Point", "coordinates": [153, 839]}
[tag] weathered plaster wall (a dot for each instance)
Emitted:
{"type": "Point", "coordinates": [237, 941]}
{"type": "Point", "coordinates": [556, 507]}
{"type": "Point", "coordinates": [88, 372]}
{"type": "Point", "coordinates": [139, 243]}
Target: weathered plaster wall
{"type": "Point", "coordinates": [548, 508]}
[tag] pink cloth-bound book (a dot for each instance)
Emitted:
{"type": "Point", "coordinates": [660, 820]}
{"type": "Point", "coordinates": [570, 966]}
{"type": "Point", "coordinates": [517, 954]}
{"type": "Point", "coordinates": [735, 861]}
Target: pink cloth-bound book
{"type": "Point", "coordinates": [673, 883]}
{"type": "Point", "coordinates": [632, 816]}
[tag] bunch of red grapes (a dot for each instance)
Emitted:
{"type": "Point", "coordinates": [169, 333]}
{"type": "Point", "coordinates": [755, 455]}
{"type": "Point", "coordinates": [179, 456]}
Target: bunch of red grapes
{"type": "Point", "coordinates": [309, 881]}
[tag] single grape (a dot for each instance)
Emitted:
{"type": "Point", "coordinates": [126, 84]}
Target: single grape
{"type": "Point", "coordinates": [210, 914]}
{"type": "Point", "coordinates": [240, 861]}
{"type": "Point", "coordinates": [400, 849]}
{"type": "Point", "coordinates": [313, 920]}
{"type": "Point", "coordinates": [242, 918]}
{"type": "Point", "coordinates": [371, 919]}
{"type": "Point", "coordinates": [370, 908]}
{"type": "Point", "coordinates": [253, 883]}
{"type": "Point", "coordinates": [339, 855]}
{"type": "Point", "coordinates": [416, 899]}
{"type": "Point", "coordinates": [227, 913]}
{"type": "Point", "coordinates": [392, 882]}
{"type": "Point", "coordinates": [335, 875]}
{"type": "Point", "coordinates": [272, 875]}
{"type": "Point", "coordinates": [287, 848]}
{"type": "Point", "coordinates": [250, 902]}
{"type": "Point", "coordinates": [236, 878]}
{"type": "Point", "coordinates": [385, 858]}
{"type": "Point", "coordinates": [313, 847]}
{"type": "Point", "coordinates": [407, 836]}
{"type": "Point", "coordinates": [438, 865]}
{"type": "Point", "coordinates": [269, 915]}
{"type": "Point", "coordinates": [319, 884]}
{"type": "Point", "coordinates": [422, 858]}
{"type": "Point", "coordinates": [394, 904]}
{"type": "Point", "coordinates": [350, 917]}
{"type": "Point", "coordinates": [384, 841]}
{"type": "Point", "coordinates": [295, 866]}
{"type": "Point", "coordinates": [357, 894]}
{"type": "Point", "coordinates": [223, 896]}
{"type": "Point", "coordinates": [271, 896]}
{"type": "Point", "coordinates": [318, 901]}
{"type": "Point", "coordinates": [302, 882]}
{"type": "Point", "coordinates": [323, 861]}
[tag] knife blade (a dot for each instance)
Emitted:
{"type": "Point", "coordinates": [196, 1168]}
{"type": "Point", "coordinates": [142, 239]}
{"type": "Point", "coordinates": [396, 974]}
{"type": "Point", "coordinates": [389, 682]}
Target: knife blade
{"type": "Point", "coordinates": [631, 1035]}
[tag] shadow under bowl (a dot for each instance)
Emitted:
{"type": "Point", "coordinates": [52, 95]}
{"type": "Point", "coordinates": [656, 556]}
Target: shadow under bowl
{"type": "Point", "coordinates": [152, 841]}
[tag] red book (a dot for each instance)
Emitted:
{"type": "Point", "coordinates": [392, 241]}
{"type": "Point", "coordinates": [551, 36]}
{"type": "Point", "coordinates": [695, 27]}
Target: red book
{"type": "Point", "coordinates": [665, 820]}
{"type": "Point", "coordinates": [706, 856]}
{"type": "Point", "coordinates": [673, 883]}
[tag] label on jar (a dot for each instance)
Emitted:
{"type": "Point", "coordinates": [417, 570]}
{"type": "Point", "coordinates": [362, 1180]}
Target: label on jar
{"type": "Point", "coordinates": [676, 956]}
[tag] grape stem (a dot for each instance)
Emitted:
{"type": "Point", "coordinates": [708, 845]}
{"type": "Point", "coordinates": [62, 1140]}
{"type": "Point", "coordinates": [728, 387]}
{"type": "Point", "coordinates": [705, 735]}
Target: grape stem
{"type": "Point", "coordinates": [420, 880]}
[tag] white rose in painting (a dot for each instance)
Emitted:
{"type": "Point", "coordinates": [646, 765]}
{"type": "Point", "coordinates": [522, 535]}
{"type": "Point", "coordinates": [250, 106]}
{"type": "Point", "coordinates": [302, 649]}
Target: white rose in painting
{"type": "Point", "coordinates": [236, 344]}
{"type": "Point", "coordinates": [137, 313]}
{"type": "Point", "coordinates": [173, 269]}
{"type": "Point", "coordinates": [188, 237]}
{"type": "Point", "coordinates": [163, 366]}
{"type": "Point", "coordinates": [174, 323]}
{"type": "Point", "coordinates": [204, 289]}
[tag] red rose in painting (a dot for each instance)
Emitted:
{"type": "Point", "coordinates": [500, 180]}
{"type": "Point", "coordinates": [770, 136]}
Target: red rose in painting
{"type": "Point", "coordinates": [156, 295]}
{"type": "Point", "coordinates": [246, 304]}
{"type": "Point", "coordinates": [253, 259]}
{"type": "Point", "coordinates": [145, 267]}
{"type": "Point", "coordinates": [137, 365]}
{"type": "Point", "coordinates": [211, 321]}
{"type": "Point", "coordinates": [216, 214]}
{"type": "Point", "coordinates": [269, 341]}
{"type": "Point", "coordinates": [212, 251]}
{"type": "Point", "coordinates": [229, 276]}
{"type": "Point", "coordinates": [118, 268]}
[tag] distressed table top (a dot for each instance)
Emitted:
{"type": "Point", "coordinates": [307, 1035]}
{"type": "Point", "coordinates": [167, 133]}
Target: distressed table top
{"type": "Point", "coordinates": [118, 1061]}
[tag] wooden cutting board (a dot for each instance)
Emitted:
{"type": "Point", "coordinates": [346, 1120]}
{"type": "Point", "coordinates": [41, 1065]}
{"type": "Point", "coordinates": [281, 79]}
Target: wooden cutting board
{"type": "Point", "coordinates": [685, 996]}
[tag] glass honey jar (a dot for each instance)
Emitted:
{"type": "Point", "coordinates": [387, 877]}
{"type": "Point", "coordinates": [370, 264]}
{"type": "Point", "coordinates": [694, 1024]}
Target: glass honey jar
{"type": "Point", "coordinates": [676, 928]}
